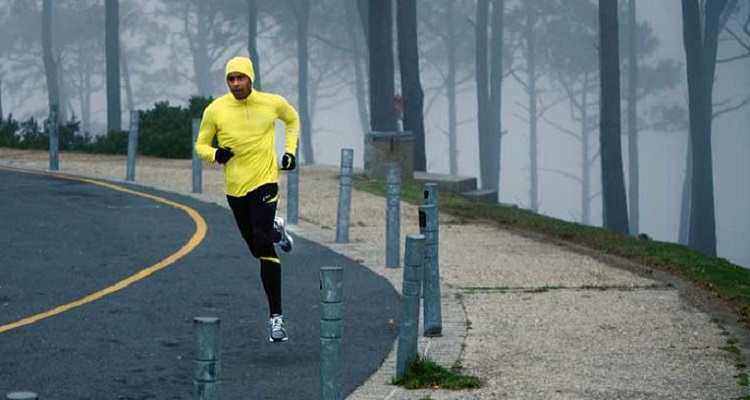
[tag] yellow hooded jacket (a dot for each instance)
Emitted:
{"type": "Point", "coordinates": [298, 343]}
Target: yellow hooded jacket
{"type": "Point", "coordinates": [248, 127]}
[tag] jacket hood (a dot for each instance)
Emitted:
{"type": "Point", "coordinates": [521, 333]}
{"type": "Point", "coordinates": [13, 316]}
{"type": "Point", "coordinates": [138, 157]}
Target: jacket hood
{"type": "Point", "coordinates": [242, 65]}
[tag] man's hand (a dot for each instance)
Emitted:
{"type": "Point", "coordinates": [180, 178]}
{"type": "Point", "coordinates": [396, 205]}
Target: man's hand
{"type": "Point", "coordinates": [223, 154]}
{"type": "Point", "coordinates": [288, 162]}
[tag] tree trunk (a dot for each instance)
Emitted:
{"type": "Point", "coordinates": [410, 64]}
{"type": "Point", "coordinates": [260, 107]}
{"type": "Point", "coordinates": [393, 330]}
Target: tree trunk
{"type": "Point", "coordinates": [700, 56]}
{"type": "Point", "coordinates": [114, 111]}
{"type": "Point", "coordinates": [252, 41]}
{"type": "Point", "coordinates": [199, 47]}
{"type": "Point", "coordinates": [494, 137]}
{"type": "Point", "coordinates": [363, 9]}
{"type": "Point", "coordinates": [683, 236]}
{"type": "Point", "coordinates": [633, 162]}
{"type": "Point", "coordinates": [451, 89]}
{"type": "Point", "coordinates": [360, 89]}
{"type": "Point", "coordinates": [50, 64]}
{"type": "Point", "coordinates": [615, 210]}
{"type": "Point", "coordinates": [408, 56]}
{"type": "Point", "coordinates": [303, 20]}
{"type": "Point", "coordinates": [483, 96]}
{"type": "Point", "coordinates": [585, 157]}
{"type": "Point", "coordinates": [1, 102]}
{"type": "Point", "coordinates": [128, 85]}
{"type": "Point", "coordinates": [382, 87]}
{"type": "Point", "coordinates": [533, 140]}
{"type": "Point", "coordinates": [86, 99]}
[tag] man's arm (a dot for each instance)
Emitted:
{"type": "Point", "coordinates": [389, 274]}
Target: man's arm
{"type": "Point", "coordinates": [206, 134]}
{"type": "Point", "coordinates": [289, 115]}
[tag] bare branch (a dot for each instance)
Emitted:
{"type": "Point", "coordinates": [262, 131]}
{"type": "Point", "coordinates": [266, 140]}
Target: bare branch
{"type": "Point", "coordinates": [741, 104]}
{"type": "Point", "coordinates": [562, 129]}
{"type": "Point", "coordinates": [519, 80]}
{"type": "Point", "coordinates": [563, 173]}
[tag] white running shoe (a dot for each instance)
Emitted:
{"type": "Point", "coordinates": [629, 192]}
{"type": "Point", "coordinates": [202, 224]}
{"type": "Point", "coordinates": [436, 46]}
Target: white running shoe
{"type": "Point", "coordinates": [277, 333]}
{"type": "Point", "coordinates": [286, 242]}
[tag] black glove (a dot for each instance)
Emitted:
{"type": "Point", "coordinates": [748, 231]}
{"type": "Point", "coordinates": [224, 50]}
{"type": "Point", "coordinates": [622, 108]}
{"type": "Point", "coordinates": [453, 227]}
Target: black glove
{"type": "Point", "coordinates": [223, 154]}
{"type": "Point", "coordinates": [288, 162]}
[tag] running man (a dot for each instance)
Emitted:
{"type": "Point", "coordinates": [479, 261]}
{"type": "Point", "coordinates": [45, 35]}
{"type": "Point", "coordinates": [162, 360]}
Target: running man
{"type": "Point", "coordinates": [243, 124]}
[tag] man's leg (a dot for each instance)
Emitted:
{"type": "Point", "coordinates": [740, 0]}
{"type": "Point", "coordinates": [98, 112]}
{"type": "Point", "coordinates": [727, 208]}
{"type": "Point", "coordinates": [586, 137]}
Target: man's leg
{"type": "Point", "coordinates": [254, 215]}
{"type": "Point", "coordinates": [265, 200]}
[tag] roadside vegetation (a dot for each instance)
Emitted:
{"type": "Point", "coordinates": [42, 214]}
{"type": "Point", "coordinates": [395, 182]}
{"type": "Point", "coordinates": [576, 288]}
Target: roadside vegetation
{"type": "Point", "coordinates": [424, 373]}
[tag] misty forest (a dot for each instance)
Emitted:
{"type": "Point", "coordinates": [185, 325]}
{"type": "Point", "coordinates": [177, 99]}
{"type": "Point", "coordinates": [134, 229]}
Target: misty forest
{"type": "Point", "coordinates": [632, 115]}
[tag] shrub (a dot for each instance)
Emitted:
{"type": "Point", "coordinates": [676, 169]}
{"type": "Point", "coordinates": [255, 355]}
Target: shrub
{"type": "Point", "coordinates": [166, 131]}
{"type": "Point", "coordinates": [114, 142]}
{"type": "Point", "coordinates": [8, 129]}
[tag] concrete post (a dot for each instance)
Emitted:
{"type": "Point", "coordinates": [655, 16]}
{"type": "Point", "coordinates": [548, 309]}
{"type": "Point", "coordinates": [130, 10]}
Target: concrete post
{"type": "Point", "coordinates": [207, 363]}
{"type": "Point", "coordinates": [345, 196]}
{"type": "Point", "coordinates": [409, 323]}
{"type": "Point", "coordinates": [54, 139]}
{"type": "Point", "coordinates": [331, 329]}
{"type": "Point", "coordinates": [132, 144]}
{"type": "Point", "coordinates": [393, 216]}
{"type": "Point", "coordinates": [433, 325]}
{"type": "Point", "coordinates": [197, 165]}
{"type": "Point", "coordinates": [22, 396]}
{"type": "Point", "coordinates": [292, 194]}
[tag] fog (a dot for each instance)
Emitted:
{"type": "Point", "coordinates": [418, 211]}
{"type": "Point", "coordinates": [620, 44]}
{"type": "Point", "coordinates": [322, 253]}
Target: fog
{"type": "Point", "coordinates": [162, 68]}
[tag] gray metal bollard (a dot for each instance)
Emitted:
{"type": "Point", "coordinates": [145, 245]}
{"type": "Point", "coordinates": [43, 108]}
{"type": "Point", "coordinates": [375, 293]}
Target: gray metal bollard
{"type": "Point", "coordinates": [431, 198]}
{"type": "Point", "coordinates": [433, 325]}
{"type": "Point", "coordinates": [197, 165]}
{"type": "Point", "coordinates": [22, 396]}
{"type": "Point", "coordinates": [292, 194]}
{"type": "Point", "coordinates": [393, 215]}
{"type": "Point", "coordinates": [331, 329]}
{"type": "Point", "coordinates": [132, 144]}
{"type": "Point", "coordinates": [345, 196]}
{"type": "Point", "coordinates": [431, 193]}
{"type": "Point", "coordinates": [54, 139]}
{"type": "Point", "coordinates": [207, 363]}
{"type": "Point", "coordinates": [409, 323]}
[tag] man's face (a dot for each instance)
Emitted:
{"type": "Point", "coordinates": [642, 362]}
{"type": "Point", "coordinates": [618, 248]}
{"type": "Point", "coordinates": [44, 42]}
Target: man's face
{"type": "Point", "coordinates": [239, 84]}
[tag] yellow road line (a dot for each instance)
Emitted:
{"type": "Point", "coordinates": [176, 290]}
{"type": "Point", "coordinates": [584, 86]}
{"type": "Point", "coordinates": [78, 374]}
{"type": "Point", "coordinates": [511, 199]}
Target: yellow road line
{"type": "Point", "coordinates": [195, 239]}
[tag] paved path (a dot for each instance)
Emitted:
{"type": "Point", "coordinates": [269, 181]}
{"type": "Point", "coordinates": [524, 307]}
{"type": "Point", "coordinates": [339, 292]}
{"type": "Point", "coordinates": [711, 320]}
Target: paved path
{"type": "Point", "coordinates": [64, 239]}
{"type": "Point", "coordinates": [532, 318]}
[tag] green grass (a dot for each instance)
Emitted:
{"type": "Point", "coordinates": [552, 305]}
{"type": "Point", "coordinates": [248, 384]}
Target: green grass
{"type": "Point", "coordinates": [729, 281]}
{"type": "Point", "coordinates": [424, 373]}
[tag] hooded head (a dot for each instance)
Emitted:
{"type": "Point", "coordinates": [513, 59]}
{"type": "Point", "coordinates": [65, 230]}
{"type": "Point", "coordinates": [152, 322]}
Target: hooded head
{"type": "Point", "coordinates": [242, 65]}
{"type": "Point", "coordinates": [235, 72]}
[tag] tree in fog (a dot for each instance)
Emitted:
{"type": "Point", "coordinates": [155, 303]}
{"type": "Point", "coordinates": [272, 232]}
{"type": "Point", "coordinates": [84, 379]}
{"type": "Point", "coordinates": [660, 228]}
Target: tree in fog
{"type": "Point", "coordinates": [447, 55]}
{"type": "Point", "coordinates": [700, 35]}
{"type": "Point", "coordinates": [20, 50]}
{"type": "Point", "coordinates": [733, 15]}
{"type": "Point", "coordinates": [489, 77]}
{"type": "Point", "coordinates": [572, 35]}
{"type": "Point", "coordinates": [214, 30]}
{"type": "Point", "coordinates": [408, 55]}
{"type": "Point", "coordinates": [329, 49]}
{"type": "Point", "coordinates": [528, 25]}
{"type": "Point", "coordinates": [140, 37]}
{"type": "Point", "coordinates": [357, 36]}
{"type": "Point", "coordinates": [83, 63]}
{"type": "Point", "coordinates": [382, 87]}
{"type": "Point", "coordinates": [615, 208]}
{"type": "Point", "coordinates": [632, 100]}
{"type": "Point", "coordinates": [112, 29]}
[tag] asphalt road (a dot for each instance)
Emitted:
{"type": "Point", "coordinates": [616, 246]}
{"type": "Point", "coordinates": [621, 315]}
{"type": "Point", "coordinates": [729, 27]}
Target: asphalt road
{"type": "Point", "coordinates": [63, 239]}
